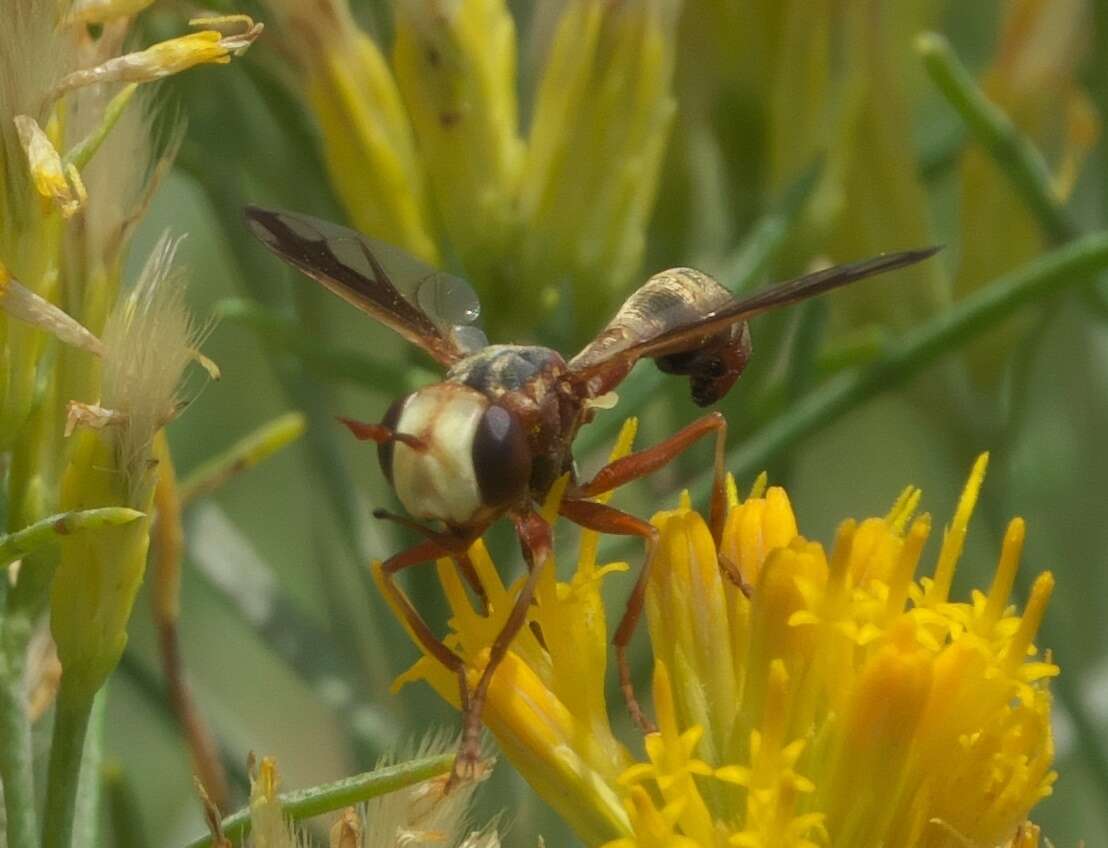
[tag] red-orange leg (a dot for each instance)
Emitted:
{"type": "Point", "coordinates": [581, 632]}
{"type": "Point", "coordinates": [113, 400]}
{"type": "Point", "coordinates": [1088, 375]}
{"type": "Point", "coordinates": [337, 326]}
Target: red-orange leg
{"type": "Point", "coordinates": [644, 462]}
{"type": "Point", "coordinates": [445, 541]}
{"type": "Point", "coordinates": [535, 539]}
{"type": "Point", "coordinates": [606, 519]}
{"type": "Point", "coordinates": [428, 551]}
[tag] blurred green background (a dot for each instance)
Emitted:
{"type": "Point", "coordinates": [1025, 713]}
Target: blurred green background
{"type": "Point", "coordinates": [878, 159]}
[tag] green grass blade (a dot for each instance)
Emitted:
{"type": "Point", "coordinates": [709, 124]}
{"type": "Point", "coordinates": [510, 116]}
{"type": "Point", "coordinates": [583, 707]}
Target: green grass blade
{"type": "Point", "coordinates": [305, 803]}
{"type": "Point", "coordinates": [243, 455]}
{"type": "Point", "coordinates": [993, 129]}
{"type": "Point", "coordinates": [49, 530]}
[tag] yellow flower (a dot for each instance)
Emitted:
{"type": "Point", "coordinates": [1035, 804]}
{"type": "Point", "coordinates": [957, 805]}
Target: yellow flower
{"type": "Point", "coordinates": [847, 702]}
{"type": "Point", "coordinates": [368, 144]}
{"type": "Point", "coordinates": [432, 156]}
{"type": "Point", "coordinates": [546, 705]}
{"type": "Point", "coordinates": [52, 179]}
{"type": "Point", "coordinates": [170, 57]}
{"type": "Point", "coordinates": [455, 65]}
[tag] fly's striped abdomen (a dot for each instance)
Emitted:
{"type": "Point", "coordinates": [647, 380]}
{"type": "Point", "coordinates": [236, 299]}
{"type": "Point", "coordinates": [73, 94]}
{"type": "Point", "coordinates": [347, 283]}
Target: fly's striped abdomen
{"type": "Point", "coordinates": [667, 301]}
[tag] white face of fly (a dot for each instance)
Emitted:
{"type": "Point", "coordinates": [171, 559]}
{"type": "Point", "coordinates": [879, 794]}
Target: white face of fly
{"type": "Point", "coordinates": [439, 482]}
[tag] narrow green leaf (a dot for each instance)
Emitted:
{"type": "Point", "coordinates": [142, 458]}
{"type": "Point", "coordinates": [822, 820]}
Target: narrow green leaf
{"type": "Point", "coordinates": [17, 545]}
{"type": "Point", "coordinates": [992, 128]}
{"type": "Point", "coordinates": [86, 814]}
{"type": "Point", "coordinates": [83, 151]}
{"type": "Point", "coordinates": [328, 797]}
{"type": "Point", "coordinates": [243, 455]}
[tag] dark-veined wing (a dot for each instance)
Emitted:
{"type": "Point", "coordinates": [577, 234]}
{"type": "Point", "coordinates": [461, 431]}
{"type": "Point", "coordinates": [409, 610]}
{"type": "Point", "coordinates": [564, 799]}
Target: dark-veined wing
{"type": "Point", "coordinates": [677, 330]}
{"type": "Point", "coordinates": [429, 308]}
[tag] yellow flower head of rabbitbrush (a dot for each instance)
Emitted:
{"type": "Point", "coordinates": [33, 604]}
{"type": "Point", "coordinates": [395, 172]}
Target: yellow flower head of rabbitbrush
{"type": "Point", "coordinates": [429, 151]}
{"type": "Point", "coordinates": [847, 702]}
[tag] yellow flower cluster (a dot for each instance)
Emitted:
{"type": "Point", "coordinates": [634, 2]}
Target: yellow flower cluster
{"type": "Point", "coordinates": [847, 702]}
{"type": "Point", "coordinates": [429, 152]}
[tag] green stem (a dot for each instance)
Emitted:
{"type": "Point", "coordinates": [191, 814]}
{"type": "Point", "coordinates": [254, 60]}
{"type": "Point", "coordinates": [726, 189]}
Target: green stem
{"type": "Point", "coordinates": [305, 803]}
{"type": "Point", "coordinates": [943, 334]}
{"type": "Point", "coordinates": [83, 151]}
{"type": "Point", "coordinates": [1013, 152]}
{"type": "Point", "coordinates": [243, 455]}
{"type": "Point", "coordinates": [86, 815]}
{"type": "Point", "coordinates": [16, 760]}
{"type": "Point", "coordinates": [67, 747]}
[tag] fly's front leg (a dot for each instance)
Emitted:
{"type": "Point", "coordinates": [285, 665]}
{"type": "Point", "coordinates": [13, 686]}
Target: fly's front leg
{"type": "Point", "coordinates": [644, 462]}
{"type": "Point", "coordinates": [446, 541]}
{"type": "Point", "coordinates": [428, 551]}
{"type": "Point", "coordinates": [606, 519]}
{"type": "Point", "coordinates": [535, 539]}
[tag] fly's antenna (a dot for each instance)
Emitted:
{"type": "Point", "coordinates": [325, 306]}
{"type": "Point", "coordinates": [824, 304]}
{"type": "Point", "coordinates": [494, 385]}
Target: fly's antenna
{"type": "Point", "coordinates": [381, 434]}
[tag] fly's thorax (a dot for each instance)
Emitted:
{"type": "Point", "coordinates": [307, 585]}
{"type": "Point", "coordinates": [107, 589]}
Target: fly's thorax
{"type": "Point", "coordinates": [528, 380]}
{"type": "Point", "coordinates": [498, 369]}
{"type": "Point", "coordinates": [473, 458]}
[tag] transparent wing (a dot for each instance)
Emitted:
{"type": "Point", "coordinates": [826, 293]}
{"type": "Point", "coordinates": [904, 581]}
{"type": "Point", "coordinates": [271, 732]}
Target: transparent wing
{"type": "Point", "coordinates": [430, 308]}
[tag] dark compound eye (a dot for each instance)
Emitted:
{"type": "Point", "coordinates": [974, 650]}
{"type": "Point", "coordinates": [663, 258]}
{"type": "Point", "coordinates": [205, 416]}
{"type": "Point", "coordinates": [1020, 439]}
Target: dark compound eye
{"type": "Point", "coordinates": [501, 457]}
{"type": "Point", "coordinates": [384, 449]}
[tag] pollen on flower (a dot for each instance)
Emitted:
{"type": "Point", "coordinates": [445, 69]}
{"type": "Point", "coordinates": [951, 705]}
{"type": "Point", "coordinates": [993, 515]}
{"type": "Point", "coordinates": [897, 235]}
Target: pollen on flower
{"type": "Point", "coordinates": [848, 701]}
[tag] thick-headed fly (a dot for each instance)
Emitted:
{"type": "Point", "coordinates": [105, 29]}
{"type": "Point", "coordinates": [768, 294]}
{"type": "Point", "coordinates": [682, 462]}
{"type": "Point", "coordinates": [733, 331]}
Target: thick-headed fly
{"type": "Point", "coordinates": [493, 436]}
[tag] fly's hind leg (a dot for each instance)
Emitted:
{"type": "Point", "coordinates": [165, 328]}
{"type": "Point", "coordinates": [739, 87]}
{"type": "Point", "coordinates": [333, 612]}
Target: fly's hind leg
{"type": "Point", "coordinates": [606, 519]}
{"type": "Point", "coordinates": [647, 461]}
